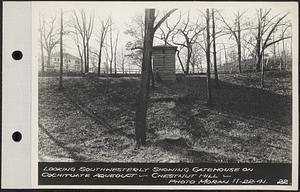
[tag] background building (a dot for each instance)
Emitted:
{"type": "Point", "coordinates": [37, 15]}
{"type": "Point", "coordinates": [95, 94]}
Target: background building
{"type": "Point", "coordinates": [71, 63]}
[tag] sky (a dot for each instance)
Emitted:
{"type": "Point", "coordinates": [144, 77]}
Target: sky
{"type": "Point", "coordinates": [122, 13]}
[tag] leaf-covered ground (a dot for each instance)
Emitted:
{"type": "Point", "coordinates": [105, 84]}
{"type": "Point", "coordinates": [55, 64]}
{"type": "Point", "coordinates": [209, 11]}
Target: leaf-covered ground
{"type": "Point", "coordinates": [92, 119]}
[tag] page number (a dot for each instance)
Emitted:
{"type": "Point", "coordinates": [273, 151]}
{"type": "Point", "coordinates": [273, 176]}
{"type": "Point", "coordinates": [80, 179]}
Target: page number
{"type": "Point", "coordinates": [282, 182]}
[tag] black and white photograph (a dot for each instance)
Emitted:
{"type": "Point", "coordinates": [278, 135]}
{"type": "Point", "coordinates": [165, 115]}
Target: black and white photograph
{"type": "Point", "coordinates": [181, 85]}
{"type": "Point", "coordinates": [164, 85]}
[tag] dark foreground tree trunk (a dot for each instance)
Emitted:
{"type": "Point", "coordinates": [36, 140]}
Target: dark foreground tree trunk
{"type": "Point", "coordinates": [141, 111]}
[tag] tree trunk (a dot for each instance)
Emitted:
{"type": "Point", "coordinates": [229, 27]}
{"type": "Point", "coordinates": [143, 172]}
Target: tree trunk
{"type": "Point", "coordinates": [214, 50]}
{"type": "Point", "coordinates": [49, 58]}
{"type": "Point", "coordinates": [193, 67]}
{"type": "Point", "coordinates": [123, 69]}
{"type": "Point", "coordinates": [238, 40]}
{"type": "Point", "coordinates": [262, 83]}
{"type": "Point", "coordinates": [240, 57]}
{"type": "Point", "coordinates": [220, 59]}
{"type": "Point", "coordinates": [209, 96]}
{"type": "Point", "coordinates": [115, 53]}
{"type": "Point", "coordinates": [258, 44]}
{"type": "Point", "coordinates": [99, 60]}
{"type": "Point", "coordinates": [81, 64]}
{"type": "Point", "coordinates": [201, 67]}
{"type": "Point", "coordinates": [274, 52]}
{"type": "Point", "coordinates": [42, 51]}
{"type": "Point", "coordinates": [283, 55]}
{"type": "Point", "coordinates": [141, 111]}
{"type": "Point", "coordinates": [180, 62]}
{"type": "Point", "coordinates": [259, 60]}
{"type": "Point", "coordinates": [110, 66]}
{"type": "Point", "coordinates": [87, 57]}
{"type": "Point", "coordinates": [99, 65]}
{"type": "Point", "coordinates": [122, 63]}
{"type": "Point", "coordinates": [152, 76]}
{"type": "Point", "coordinates": [84, 54]}
{"type": "Point", "coordinates": [111, 52]}
{"type": "Point", "coordinates": [61, 51]}
{"type": "Point", "coordinates": [225, 54]}
{"type": "Point", "coordinates": [115, 65]}
{"type": "Point", "coordinates": [188, 59]}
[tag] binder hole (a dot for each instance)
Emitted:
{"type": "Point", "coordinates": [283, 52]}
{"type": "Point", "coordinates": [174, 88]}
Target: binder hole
{"type": "Point", "coordinates": [17, 136]}
{"type": "Point", "coordinates": [17, 55]}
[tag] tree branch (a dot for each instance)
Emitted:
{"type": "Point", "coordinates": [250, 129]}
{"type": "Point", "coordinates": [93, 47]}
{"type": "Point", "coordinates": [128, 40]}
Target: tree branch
{"type": "Point", "coordinates": [163, 19]}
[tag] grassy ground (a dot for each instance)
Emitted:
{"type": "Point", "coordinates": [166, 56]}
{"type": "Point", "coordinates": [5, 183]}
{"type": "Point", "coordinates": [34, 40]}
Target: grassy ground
{"type": "Point", "coordinates": [92, 119]}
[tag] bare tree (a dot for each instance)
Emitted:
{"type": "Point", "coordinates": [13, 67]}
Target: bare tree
{"type": "Point", "coordinates": [209, 95]}
{"type": "Point", "coordinates": [248, 46]}
{"type": "Point", "coordinates": [122, 61]}
{"type": "Point", "coordinates": [178, 51]}
{"type": "Point", "coordinates": [196, 58]}
{"type": "Point", "coordinates": [136, 30]}
{"type": "Point", "coordinates": [109, 54]}
{"type": "Point", "coordinates": [214, 49]}
{"type": "Point", "coordinates": [78, 25]}
{"type": "Point", "coordinates": [189, 31]}
{"type": "Point", "coordinates": [141, 111]}
{"type": "Point", "coordinates": [79, 48]}
{"type": "Point", "coordinates": [225, 52]}
{"type": "Point", "coordinates": [283, 53]}
{"type": "Point", "coordinates": [61, 51]}
{"type": "Point", "coordinates": [50, 37]}
{"type": "Point", "coordinates": [103, 32]}
{"type": "Point", "coordinates": [167, 30]}
{"type": "Point", "coordinates": [265, 28]}
{"type": "Point", "coordinates": [273, 50]}
{"type": "Point", "coordinates": [88, 30]}
{"type": "Point", "coordinates": [111, 57]}
{"type": "Point", "coordinates": [235, 31]}
{"type": "Point", "coordinates": [84, 27]}
{"type": "Point", "coordinates": [166, 33]}
{"type": "Point", "coordinates": [41, 29]}
{"type": "Point", "coordinates": [115, 53]}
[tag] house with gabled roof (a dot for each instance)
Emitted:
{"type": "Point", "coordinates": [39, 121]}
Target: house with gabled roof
{"type": "Point", "coordinates": [71, 63]}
